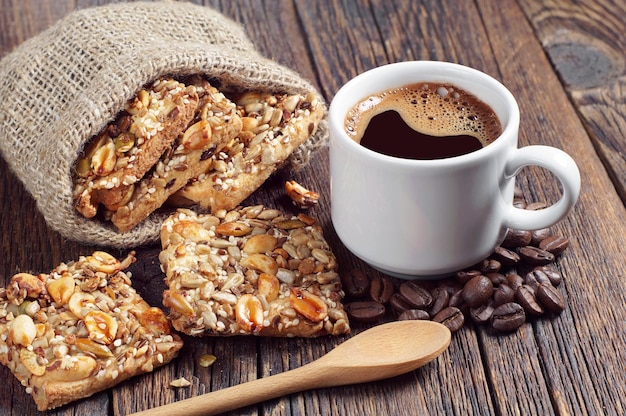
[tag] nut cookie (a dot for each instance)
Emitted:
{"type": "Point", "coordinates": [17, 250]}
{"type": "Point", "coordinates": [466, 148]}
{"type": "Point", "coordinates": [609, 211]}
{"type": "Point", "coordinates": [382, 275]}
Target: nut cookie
{"type": "Point", "coordinates": [250, 271]}
{"type": "Point", "coordinates": [215, 124]}
{"type": "Point", "coordinates": [130, 145]}
{"type": "Point", "coordinates": [79, 330]}
{"type": "Point", "coordinates": [274, 125]}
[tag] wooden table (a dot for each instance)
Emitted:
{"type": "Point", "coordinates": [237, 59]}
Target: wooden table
{"type": "Point", "coordinates": [563, 60]}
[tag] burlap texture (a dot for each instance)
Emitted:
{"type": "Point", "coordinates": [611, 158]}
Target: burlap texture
{"type": "Point", "coordinates": [63, 86]}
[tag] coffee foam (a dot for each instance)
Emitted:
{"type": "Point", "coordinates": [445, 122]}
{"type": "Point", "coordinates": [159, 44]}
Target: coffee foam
{"type": "Point", "coordinates": [434, 109]}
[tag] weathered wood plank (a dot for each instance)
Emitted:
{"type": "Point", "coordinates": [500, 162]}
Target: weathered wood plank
{"type": "Point", "coordinates": [596, 227]}
{"type": "Point", "coordinates": [585, 42]}
{"type": "Point", "coordinates": [554, 366]}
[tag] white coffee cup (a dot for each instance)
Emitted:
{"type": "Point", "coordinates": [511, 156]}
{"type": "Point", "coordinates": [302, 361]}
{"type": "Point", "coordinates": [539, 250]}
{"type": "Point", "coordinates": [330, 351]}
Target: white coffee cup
{"type": "Point", "coordinates": [429, 218]}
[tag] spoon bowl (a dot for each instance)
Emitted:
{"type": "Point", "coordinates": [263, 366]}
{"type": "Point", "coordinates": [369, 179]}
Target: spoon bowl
{"type": "Point", "coordinates": [386, 350]}
{"type": "Point", "coordinates": [377, 353]}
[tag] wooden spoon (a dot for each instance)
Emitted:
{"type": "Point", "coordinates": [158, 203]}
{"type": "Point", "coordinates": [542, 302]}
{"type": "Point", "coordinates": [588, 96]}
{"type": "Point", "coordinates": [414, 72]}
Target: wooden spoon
{"type": "Point", "coordinates": [380, 352]}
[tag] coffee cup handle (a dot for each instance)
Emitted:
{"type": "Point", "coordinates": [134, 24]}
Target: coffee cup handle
{"type": "Point", "coordinates": [562, 166]}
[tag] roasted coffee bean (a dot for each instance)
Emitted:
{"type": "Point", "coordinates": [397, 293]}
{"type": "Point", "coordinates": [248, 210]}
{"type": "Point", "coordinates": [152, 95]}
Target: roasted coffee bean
{"type": "Point", "coordinates": [538, 276]}
{"type": "Point", "coordinates": [505, 256]}
{"type": "Point", "coordinates": [508, 317]}
{"type": "Point", "coordinates": [399, 304]}
{"type": "Point", "coordinates": [355, 283]}
{"type": "Point", "coordinates": [552, 274]}
{"type": "Point", "coordinates": [550, 297]}
{"type": "Point", "coordinates": [532, 280]}
{"type": "Point", "coordinates": [477, 291]}
{"type": "Point", "coordinates": [490, 266]}
{"type": "Point", "coordinates": [451, 317]}
{"type": "Point", "coordinates": [535, 256]}
{"type": "Point", "coordinates": [525, 296]}
{"type": "Point", "coordinates": [466, 275]}
{"type": "Point", "coordinates": [441, 298]}
{"type": "Point", "coordinates": [365, 311]}
{"type": "Point", "coordinates": [457, 301]}
{"type": "Point", "coordinates": [514, 280]}
{"type": "Point", "coordinates": [414, 314]}
{"type": "Point", "coordinates": [503, 294]}
{"type": "Point", "coordinates": [554, 244]}
{"type": "Point", "coordinates": [416, 295]}
{"type": "Point", "coordinates": [539, 235]}
{"type": "Point", "coordinates": [449, 285]}
{"type": "Point", "coordinates": [497, 279]}
{"type": "Point", "coordinates": [516, 238]}
{"type": "Point", "coordinates": [381, 289]}
{"type": "Point", "coordinates": [481, 314]}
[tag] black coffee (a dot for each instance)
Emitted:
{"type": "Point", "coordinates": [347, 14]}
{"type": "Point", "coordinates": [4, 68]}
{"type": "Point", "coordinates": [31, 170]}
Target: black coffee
{"type": "Point", "coordinates": [388, 133]}
{"type": "Point", "coordinates": [423, 121]}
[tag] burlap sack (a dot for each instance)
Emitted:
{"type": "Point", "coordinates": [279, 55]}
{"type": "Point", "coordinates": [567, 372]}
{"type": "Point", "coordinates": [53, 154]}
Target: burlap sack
{"type": "Point", "coordinates": [63, 86]}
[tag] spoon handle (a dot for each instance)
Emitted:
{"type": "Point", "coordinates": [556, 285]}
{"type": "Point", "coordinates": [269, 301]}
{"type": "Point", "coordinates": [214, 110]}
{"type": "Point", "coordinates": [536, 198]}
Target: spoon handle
{"type": "Point", "coordinates": [299, 379]}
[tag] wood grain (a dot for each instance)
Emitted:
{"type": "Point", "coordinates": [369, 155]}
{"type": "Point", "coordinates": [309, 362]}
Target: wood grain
{"type": "Point", "coordinates": [564, 62]}
{"type": "Point", "coordinates": [549, 117]}
{"type": "Point", "coordinates": [585, 42]}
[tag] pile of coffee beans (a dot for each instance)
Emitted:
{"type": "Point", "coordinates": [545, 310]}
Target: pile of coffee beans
{"type": "Point", "coordinates": [517, 282]}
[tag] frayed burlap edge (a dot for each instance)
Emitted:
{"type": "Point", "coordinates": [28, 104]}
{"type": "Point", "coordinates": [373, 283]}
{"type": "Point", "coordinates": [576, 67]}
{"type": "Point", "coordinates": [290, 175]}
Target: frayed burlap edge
{"type": "Point", "coordinates": [64, 85]}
